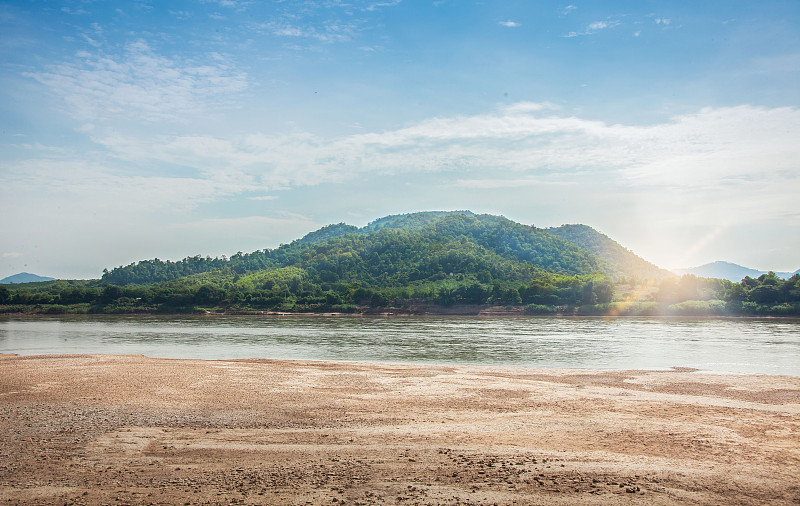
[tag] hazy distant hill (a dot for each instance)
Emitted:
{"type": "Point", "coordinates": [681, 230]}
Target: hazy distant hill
{"type": "Point", "coordinates": [24, 277]}
{"type": "Point", "coordinates": [623, 261]}
{"type": "Point", "coordinates": [729, 271]}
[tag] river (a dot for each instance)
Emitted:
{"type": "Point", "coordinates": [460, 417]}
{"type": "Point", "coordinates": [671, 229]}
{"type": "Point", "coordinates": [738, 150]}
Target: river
{"type": "Point", "coordinates": [740, 345]}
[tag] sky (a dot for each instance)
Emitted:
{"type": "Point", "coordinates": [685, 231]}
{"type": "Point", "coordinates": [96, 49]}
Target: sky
{"type": "Point", "coordinates": [146, 129]}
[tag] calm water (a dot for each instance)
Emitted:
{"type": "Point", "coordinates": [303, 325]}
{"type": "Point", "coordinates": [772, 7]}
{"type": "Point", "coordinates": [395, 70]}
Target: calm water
{"type": "Point", "coordinates": [769, 346]}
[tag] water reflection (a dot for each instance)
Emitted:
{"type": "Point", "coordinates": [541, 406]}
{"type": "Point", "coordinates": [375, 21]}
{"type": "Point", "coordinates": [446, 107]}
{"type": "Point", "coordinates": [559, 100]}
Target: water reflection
{"type": "Point", "coordinates": [724, 345]}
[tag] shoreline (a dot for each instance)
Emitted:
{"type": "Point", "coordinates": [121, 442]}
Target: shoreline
{"type": "Point", "coordinates": [90, 429]}
{"type": "Point", "coordinates": [398, 313]}
{"type": "Point", "coordinates": [401, 364]}
{"type": "Point", "coordinates": [615, 309]}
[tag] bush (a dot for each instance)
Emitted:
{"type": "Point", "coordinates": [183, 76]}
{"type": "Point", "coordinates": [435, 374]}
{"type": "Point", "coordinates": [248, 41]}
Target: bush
{"type": "Point", "coordinates": [699, 308]}
{"type": "Point", "coordinates": [785, 309]}
{"type": "Point", "coordinates": [537, 309]}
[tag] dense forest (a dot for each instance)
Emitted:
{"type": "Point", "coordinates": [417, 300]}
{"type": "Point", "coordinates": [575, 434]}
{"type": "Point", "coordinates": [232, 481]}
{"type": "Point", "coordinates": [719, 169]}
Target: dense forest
{"type": "Point", "coordinates": [421, 262]}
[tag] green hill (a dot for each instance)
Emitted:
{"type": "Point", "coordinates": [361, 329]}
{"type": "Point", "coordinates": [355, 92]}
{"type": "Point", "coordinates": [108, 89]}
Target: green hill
{"type": "Point", "coordinates": [397, 250]}
{"type": "Point", "coordinates": [328, 232]}
{"type": "Point", "coordinates": [622, 261]}
{"type": "Point", "coordinates": [412, 220]}
{"type": "Point", "coordinates": [431, 257]}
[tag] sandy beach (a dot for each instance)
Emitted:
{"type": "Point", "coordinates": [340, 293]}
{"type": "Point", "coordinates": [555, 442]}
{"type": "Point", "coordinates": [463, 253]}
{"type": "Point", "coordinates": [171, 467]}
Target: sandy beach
{"type": "Point", "coordinates": [97, 429]}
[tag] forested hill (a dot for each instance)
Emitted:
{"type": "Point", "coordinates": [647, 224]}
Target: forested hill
{"type": "Point", "coordinates": [397, 250]}
{"type": "Point", "coordinates": [409, 262]}
{"type": "Point", "coordinates": [623, 261]}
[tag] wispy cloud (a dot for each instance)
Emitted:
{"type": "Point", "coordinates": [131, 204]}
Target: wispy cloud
{"type": "Point", "coordinates": [329, 33]}
{"type": "Point", "coordinates": [528, 107]}
{"type": "Point", "coordinates": [231, 4]}
{"type": "Point", "coordinates": [593, 28]}
{"type": "Point", "coordinates": [569, 8]}
{"type": "Point", "coordinates": [78, 12]}
{"type": "Point", "coordinates": [714, 166]}
{"type": "Point", "coordinates": [326, 21]}
{"type": "Point", "coordinates": [139, 83]}
{"type": "Point", "coordinates": [726, 148]}
{"type": "Point", "coordinates": [377, 5]}
{"type": "Point", "coordinates": [509, 24]}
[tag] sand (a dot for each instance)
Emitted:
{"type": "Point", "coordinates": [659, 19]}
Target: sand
{"type": "Point", "coordinates": [96, 429]}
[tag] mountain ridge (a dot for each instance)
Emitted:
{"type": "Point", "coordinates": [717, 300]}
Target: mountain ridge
{"type": "Point", "coordinates": [729, 270]}
{"type": "Point", "coordinates": [24, 277]}
{"type": "Point", "coordinates": [625, 261]}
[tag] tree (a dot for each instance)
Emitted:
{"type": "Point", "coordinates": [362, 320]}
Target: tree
{"type": "Point", "coordinates": [589, 296]}
{"type": "Point", "coordinates": [110, 293]}
{"type": "Point", "coordinates": [604, 291]}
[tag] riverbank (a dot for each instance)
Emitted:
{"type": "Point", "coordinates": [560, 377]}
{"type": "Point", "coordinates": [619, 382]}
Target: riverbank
{"type": "Point", "coordinates": [687, 308]}
{"type": "Point", "coordinates": [89, 429]}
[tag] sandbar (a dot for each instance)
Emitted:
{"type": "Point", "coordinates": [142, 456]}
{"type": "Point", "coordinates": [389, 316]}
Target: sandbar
{"type": "Point", "coordinates": [103, 429]}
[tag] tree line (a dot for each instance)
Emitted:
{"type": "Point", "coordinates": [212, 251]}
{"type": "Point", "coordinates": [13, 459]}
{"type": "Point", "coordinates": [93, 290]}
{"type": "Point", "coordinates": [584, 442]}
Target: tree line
{"type": "Point", "coordinates": [295, 289]}
{"type": "Point", "coordinates": [292, 289]}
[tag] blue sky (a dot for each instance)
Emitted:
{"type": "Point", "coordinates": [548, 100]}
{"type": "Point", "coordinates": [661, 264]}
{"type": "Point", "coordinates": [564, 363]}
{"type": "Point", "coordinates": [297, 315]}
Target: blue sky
{"type": "Point", "coordinates": [141, 129]}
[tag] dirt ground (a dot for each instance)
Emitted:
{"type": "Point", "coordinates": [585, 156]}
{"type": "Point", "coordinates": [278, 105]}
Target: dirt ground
{"type": "Point", "coordinates": [95, 429]}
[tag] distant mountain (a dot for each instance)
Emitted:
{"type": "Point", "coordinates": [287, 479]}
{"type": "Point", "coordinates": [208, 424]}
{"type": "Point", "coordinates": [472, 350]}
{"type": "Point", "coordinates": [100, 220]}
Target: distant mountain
{"type": "Point", "coordinates": [623, 261]}
{"type": "Point", "coordinates": [729, 271]}
{"type": "Point", "coordinates": [24, 277]}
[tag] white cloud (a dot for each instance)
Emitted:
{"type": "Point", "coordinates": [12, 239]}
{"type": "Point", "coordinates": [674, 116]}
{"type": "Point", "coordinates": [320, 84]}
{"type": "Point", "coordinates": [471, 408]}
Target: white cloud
{"type": "Point", "coordinates": [730, 147]}
{"type": "Point", "coordinates": [592, 28]}
{"type": "Point", "coordinates": [568, 9]}
{"type": "Point", "coordinates": [140, 84]}
{"type": "Point", "coordinates": [378, 5]}
{"type": "Point", "coordinates": [287, 31]}
{"type": "Point", "coordinates": [528, 107]}
{"type": "Point", "coordinates": [233, 4]}
{"type": "Point", "coordinates": [328, 33]}
{"type": "Point", "coordinates": [509, 24]}
{"type": "Point", "coordinates": [721, 166]}
{"type": "Point", "coordinates": [328, 22]}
